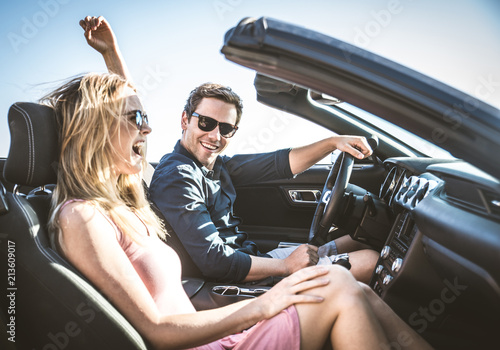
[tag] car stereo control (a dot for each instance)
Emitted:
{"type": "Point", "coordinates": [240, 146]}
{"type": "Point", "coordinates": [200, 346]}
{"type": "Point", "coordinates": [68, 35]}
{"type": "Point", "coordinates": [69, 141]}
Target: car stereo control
{"type": "Point", "coordinates": [387, 280]}
{"type": "Point", "coordinates": [384, 254]}
{"type": "Point", "coordinates": [396, 265]}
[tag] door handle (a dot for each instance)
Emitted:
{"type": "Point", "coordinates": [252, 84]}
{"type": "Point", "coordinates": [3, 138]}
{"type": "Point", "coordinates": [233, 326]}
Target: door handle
{"type": "Point", "coordinates": [305, 196]}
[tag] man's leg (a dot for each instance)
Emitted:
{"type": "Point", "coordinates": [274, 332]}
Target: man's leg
{"type": "Point", "coordinates": [362, 259]}
{"type": "Point", "coordinates": [345, 244]}
{"type": "Point", "coordinates": [281, 253]}
{"type": "Point", "coordinates": [363, 263]}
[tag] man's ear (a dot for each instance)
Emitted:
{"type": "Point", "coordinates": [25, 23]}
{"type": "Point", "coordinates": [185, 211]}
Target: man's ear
{"type": "Point", "coordinates": [184, 121]}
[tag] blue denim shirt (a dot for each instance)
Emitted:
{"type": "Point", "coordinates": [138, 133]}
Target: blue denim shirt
{"type": "Point", "coordinates": [198, 204]}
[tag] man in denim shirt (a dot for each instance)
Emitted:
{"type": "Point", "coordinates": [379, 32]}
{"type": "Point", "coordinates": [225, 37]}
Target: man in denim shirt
{"type": "Point", "coordinates": [194, 188]}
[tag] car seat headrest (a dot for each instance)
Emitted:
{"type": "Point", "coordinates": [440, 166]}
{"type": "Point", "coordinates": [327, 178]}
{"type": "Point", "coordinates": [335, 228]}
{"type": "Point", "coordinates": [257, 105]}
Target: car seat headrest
{"type": "Point", "coordinates": [34, 147]}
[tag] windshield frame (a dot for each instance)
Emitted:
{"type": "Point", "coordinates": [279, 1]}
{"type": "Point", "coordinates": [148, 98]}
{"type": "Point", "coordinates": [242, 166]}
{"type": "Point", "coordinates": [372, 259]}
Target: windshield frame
{"type": "Point", "coordinates": [410, 140]}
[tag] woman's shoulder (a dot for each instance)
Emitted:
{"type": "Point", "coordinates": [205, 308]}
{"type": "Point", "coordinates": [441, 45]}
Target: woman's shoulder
{"type": "Point", "coordinates": [77, 208]}
{"type": "Point", "coordinates": [80, 214]}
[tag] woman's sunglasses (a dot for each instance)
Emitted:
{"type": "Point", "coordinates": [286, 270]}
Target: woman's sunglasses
{"type": "Point", "coordinates": [140, 119]}
{"type": "Point", "coordinates": [208, 124]}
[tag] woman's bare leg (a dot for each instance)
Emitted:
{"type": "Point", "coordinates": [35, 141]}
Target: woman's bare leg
{"type": "Point", "coordinates": [345, 316]}
{"type": "Point", "coordinates": [397, 331]}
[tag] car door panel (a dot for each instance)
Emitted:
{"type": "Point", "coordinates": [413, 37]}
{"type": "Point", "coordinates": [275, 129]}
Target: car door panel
{"type": "Point", "coordinates": [271, 215]}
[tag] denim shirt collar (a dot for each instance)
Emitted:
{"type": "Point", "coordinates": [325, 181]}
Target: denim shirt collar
{"type": "Point", "coordinates": [210, 174]}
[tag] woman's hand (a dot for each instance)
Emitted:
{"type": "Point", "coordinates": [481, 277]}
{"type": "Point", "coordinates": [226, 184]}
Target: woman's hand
{"type": "Point", "coordinates": [99, 34]}
{"type": "Point", "coordinates": [291, 290]}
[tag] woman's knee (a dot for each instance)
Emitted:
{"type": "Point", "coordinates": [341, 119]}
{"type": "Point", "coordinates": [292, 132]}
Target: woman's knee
{"type": "Point", "coordinates": [338, 272]}
{"type": "Point", "coordinates": [373, 299]}
{"type": "Point", "coordinates": [342, 282]}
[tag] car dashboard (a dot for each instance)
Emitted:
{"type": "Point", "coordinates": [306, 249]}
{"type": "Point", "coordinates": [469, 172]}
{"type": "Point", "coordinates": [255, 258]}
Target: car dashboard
{"type": "Point", "coordinates": [438, 268]}
{"type": "Point", "coordinates": [404, 187]}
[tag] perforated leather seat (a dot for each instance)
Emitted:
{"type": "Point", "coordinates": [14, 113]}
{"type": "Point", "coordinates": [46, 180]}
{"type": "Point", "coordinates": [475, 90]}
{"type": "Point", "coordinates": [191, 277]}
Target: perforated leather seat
{"type": "Point", "coordinates": [55, 307]}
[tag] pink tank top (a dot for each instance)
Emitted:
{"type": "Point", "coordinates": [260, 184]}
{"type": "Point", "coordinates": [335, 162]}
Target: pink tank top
{"type": "Point", "coordinates": [159, 268]}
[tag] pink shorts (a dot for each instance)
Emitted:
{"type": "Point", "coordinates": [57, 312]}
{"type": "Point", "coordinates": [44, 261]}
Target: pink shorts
{"type": "Point", "coordinates": [280, 332]}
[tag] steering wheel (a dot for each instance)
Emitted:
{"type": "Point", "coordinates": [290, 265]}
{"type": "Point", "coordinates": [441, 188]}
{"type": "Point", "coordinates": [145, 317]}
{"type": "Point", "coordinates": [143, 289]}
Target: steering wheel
{"type": "Point", "coordinates": [330, 203]}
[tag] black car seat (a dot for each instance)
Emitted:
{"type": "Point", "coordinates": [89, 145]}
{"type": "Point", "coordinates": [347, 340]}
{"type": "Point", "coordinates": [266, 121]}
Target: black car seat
{"type": "Point", "coordinates": [49, 304]}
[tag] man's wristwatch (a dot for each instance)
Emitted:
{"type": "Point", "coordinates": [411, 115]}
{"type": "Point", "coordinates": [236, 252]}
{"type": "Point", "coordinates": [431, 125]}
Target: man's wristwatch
{"type": "Point", "coordinates": [341, 259]}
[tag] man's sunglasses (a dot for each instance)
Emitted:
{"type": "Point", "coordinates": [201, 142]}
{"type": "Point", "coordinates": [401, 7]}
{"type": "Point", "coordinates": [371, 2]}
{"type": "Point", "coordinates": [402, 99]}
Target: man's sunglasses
{"type": "Point", "coordinates": [140, 119]}
{"type": "Point", "coordinates": [208, 124]}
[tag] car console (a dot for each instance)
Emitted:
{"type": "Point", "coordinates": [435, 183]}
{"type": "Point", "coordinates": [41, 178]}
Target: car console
{"type": "Point", "coordinates": [394, 252]}
{"type": "Point", "coordinates": [392, 256]}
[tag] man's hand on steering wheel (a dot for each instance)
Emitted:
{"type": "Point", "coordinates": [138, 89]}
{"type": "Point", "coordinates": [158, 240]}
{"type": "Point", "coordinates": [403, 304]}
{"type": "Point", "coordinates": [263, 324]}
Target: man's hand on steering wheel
{"type": "Point", "coordinates": [357, 146]}
{"type": "Point", "coordinates": [330, 204]}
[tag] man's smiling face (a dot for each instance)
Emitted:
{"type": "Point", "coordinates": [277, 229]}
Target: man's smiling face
{"type": "Point", "coordinates": [206, 146]}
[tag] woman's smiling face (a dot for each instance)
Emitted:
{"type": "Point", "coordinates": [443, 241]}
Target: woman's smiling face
{"type": "Point", "coordinates": [128, 142]}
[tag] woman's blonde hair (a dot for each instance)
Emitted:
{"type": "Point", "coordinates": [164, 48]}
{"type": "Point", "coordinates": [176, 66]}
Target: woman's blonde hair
{"type": "Point", "coordinates": [88, 109]}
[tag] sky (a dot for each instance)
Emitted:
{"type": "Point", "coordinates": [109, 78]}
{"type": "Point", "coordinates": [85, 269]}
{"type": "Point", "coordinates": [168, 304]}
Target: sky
{"type": "Point", "coordinates": [172, 46]}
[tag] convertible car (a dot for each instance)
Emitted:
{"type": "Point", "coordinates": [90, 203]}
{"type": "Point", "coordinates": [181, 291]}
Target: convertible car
{"type": "Point", "coordinates": [428, 199]}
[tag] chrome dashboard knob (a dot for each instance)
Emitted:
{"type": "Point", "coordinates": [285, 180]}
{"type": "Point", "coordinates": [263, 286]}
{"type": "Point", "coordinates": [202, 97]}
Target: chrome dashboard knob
{"type": "Point", "coordinates": [384, 254]}
{"type": "Point", "coordinates": [387, 280]}
{"type": "Point", "coordinates": [396, 265]}
{"type": "Point", "coordinates": [379, 269]}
